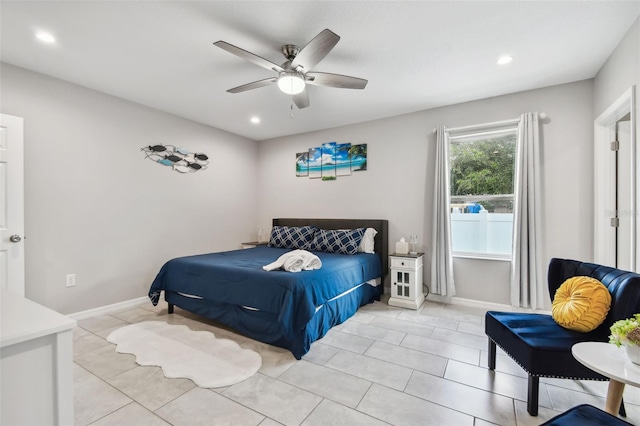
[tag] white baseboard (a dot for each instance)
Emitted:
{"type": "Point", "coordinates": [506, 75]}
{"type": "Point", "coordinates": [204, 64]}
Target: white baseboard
{"type": "Point", "coordinates": [480, 304]}
{"type": "Point", "coordinates": [109, 309]}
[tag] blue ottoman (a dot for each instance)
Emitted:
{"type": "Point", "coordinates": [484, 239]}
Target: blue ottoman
{"type": "Point", "coordinates": [585, 415]}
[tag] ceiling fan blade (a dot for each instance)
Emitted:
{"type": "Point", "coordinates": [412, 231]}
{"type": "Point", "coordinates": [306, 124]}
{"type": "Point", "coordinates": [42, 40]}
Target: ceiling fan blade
{"type": "Point", "coordinates": [315, 50]}
{"type": "Point", "coordinates": [335, 80]}
{"type": "Point", "coordinates": [254, 85]}
{"type": "Point", "coordinates": [301, 99]}
{"type": "Point", "coordinates": [248, 56]}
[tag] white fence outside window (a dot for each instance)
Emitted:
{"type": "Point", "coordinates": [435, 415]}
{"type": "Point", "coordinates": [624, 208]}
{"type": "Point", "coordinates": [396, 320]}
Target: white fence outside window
{"type": "Point", "coordinates": [482, 233]}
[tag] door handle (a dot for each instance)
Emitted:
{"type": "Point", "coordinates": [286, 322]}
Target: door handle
{"type": "Point", "coordinates": [15, 238]}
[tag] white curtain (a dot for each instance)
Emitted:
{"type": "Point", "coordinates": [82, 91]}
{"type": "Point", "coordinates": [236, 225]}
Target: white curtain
{"type": "Point", "coordinates": [442, 282]}
{"type": "Point", "coordinates": [528, 281]}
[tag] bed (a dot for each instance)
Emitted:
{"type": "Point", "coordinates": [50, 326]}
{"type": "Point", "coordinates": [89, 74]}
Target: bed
{"type": "Point", "coordinates": [289, 310]}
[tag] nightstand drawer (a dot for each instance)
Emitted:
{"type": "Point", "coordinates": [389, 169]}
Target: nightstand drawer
{"type": "Point", "coordinates": [403, 263]}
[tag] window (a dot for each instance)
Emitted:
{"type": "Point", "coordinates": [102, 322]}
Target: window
{"type": "Point", "coordinates": [482, 181]}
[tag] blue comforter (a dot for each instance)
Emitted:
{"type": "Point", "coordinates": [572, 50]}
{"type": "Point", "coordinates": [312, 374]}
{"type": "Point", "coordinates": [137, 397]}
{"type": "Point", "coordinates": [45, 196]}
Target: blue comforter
{"type": "Point", "coordinates": [237, 278]}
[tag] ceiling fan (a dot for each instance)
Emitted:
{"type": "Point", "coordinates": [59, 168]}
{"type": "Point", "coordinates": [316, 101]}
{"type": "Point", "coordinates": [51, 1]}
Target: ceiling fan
{"type": "Point", "coordinates": [295, 73]}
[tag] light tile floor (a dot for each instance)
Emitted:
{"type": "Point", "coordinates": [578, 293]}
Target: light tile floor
{"type": "Point", "coordinates": [385, 365]}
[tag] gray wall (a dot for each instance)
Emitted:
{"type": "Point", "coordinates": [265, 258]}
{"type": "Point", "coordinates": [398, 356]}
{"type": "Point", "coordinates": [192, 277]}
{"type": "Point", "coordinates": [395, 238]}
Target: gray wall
{"type": "Point", "coordinates": [619, 72]}
{"type": "Point", "coordinates": [94, 206]}
{"type": "Point", "coordinates": [398, 184]}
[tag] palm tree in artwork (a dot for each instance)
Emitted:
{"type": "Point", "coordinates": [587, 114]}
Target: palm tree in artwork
{"type": "Point", "coordinates": [358, 153]}
{"type": "Point", "coordinates": [302, 163]}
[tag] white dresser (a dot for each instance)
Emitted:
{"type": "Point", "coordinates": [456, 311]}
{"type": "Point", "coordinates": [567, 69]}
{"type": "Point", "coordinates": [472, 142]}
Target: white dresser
{"type": "Point", "coordinates": [36, 363]}
{"type": "Point", "coordinates": [406, 280]}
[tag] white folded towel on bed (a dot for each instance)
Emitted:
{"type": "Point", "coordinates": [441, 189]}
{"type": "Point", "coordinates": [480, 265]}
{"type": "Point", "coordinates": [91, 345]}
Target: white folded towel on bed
{"type": "Point", "coordinates": [295, 261]}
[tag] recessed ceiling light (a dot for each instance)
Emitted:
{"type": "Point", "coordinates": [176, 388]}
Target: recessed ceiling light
{"type": "Point", "coordinates": [46, 37]}
{"type": "Point", "coordinates": [255, 120]}
{"type": "Point", "coordinates": [503, 60]}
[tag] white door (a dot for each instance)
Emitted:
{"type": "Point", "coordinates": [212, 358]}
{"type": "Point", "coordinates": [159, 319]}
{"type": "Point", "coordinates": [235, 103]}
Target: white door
{"type": "Point", "coordinates": [11, 204]}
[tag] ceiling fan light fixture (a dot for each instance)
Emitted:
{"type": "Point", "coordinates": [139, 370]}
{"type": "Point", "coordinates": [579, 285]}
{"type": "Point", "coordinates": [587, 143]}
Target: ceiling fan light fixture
{"type": "Point", "coordinates": [291, 83]}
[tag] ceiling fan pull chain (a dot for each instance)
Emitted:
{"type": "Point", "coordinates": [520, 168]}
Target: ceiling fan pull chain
{"type": "Point", "coordinates": [291, 114]}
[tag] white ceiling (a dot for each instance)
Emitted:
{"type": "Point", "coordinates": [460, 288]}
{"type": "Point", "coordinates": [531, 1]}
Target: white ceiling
{"type": "Point", "coordinates": [416, 54]}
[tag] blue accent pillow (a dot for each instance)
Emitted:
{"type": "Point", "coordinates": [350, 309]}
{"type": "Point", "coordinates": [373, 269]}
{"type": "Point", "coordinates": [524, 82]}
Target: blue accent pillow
{"type": "Point", "coordinates": [294, 237]}
{"type": "Point", "coordinates": [337, 241]}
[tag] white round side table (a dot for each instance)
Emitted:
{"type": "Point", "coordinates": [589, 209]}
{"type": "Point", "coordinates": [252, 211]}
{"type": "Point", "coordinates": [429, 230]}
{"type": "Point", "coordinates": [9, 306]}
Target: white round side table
{"type": "Point", "coordinates": [612, 362]}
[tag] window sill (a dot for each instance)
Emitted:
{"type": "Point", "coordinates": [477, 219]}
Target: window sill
{"type": "Point", "coordinates": [483, 256]}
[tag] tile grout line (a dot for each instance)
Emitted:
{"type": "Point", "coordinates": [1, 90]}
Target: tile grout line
{"type": "Point", "coordinates": [108, 414]}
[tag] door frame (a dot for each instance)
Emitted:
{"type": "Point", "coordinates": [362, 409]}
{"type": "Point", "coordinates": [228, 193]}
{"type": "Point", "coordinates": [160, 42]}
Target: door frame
{"type": "Point", "coordinates": [14, 209]}
{"type": "Point", "coordinates": [604, 241]}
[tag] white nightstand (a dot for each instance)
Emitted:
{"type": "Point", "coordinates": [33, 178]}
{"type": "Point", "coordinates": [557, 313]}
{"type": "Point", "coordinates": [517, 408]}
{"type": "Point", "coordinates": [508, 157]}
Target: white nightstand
{"type": "Point", "coordinates": [252, 244]}
{"type": "Point", "coordinates": [406, 280]}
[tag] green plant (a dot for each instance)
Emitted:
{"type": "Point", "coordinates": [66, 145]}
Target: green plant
{"type": "Point", "coordinates": [484, 166]}
{"type": "Point", "coordinates": [626, 331]}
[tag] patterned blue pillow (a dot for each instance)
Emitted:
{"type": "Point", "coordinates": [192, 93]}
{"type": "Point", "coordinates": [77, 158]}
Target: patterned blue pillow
{"type": "Point", "coordinates": [345, 242]}
{"type": "Point", "coordinates": [295, 237]}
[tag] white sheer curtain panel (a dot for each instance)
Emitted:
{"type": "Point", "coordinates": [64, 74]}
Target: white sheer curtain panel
{"type": "Point", "coordinates": [528, 281]}
{"type": "Point", "coordinates": [442, 282]}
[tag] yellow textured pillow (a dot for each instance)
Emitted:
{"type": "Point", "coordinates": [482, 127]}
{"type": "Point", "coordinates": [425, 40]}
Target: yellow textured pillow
{"type": "Point", "coordinates": [581, 304]}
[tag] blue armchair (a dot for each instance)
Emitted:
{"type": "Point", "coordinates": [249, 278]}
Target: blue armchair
{"type": "Point", "coordinates": [542, 347]}
{"type": "Point", "coordinates": [585, 415]}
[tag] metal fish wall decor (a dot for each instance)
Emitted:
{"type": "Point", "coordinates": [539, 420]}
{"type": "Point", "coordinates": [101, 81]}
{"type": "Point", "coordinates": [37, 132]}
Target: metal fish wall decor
{"type": "Point", "coordinates": [179, 159]}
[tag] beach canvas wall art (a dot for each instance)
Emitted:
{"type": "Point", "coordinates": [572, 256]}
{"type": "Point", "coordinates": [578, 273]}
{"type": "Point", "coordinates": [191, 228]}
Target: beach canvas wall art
{"type": "Point", "coordinates": [330, 160]}
{"type": "Point", "coordinates": [315, 163]}
{"type": "Point", "coordinates": [358, 157]}
{"type": "Point", "coordinates": [302, 164]}
{"type": "Point", "coordinates": [343, 159]}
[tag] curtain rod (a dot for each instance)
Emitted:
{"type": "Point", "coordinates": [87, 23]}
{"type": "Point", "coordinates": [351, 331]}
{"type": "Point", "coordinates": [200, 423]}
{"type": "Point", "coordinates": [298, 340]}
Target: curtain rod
{"type": "Point", "coordinates": [542, 116]}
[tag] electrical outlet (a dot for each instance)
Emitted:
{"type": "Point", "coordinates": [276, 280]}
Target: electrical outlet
{"type": "Point", "coordinates": [71, 280]}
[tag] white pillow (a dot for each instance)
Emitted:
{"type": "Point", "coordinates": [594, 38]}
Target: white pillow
{"type": "Point", "coordinates": [367, 243]}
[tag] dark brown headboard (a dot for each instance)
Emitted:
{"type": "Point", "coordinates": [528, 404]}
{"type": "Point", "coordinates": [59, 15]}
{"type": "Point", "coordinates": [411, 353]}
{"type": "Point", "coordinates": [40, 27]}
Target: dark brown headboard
{"type": "Point", "coordinates": [380, 225]}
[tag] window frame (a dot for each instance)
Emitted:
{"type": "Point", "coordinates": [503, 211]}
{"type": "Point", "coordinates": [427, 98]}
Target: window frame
{"type": "Point", "coordinates": [474, 133]}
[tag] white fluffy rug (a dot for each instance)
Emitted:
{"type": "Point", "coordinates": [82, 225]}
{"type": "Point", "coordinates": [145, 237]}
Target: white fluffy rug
{"type": "Point", "coordinates": [181, 352]}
